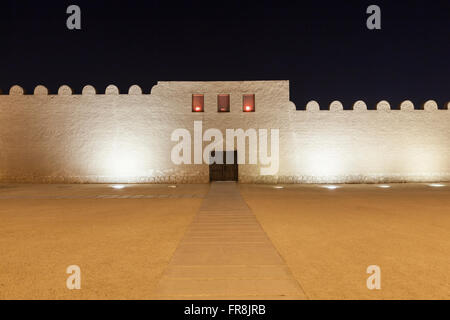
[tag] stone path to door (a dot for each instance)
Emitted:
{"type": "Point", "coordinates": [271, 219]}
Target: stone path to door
{"type": "Point", "coordinates": [225, 254]}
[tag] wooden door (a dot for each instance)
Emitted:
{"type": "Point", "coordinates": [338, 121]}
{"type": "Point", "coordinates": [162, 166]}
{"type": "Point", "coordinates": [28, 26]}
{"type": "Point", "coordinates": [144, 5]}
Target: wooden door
{"type": "Point", "coordinates": [224, 171]}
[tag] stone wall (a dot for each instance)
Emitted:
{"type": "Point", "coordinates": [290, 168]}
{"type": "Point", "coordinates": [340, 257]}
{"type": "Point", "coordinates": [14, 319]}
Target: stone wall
{"type": "Point", "coordinates": [111, 137]}
{"type": "Point", "coordinates": [363, 145]}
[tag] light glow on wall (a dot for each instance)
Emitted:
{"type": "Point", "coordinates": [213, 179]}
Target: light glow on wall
{"type": "Point", "coordinates": [118, 186]}
{"type": "Point", "coordinates": [331, 187]}
{"type": "Point", "coordinates": [384, 186]}
{"type": "Point", "coordinates": [319, 161]}
{"type": "Point", "coordinates": [123, 165]}
{"type": "Point", "coordinates": [423, 159]}
{"type": "Point", "coordinates": [436, 185]}
{"type": "Point", "coordinates": [125, 160]}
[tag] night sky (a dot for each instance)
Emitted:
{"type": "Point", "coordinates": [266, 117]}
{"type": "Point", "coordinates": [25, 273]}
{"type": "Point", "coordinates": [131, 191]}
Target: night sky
{"type": "Point", "coordinates": [323, 48]}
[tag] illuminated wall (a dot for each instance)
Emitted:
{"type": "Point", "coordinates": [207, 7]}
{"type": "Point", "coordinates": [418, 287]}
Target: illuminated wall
{"type": "Point", "coordinates": [363, 145]}
{"type": "Point", "coordinates": [112, 137]}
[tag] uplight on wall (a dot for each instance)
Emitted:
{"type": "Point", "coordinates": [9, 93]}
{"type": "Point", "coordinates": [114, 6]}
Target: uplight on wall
{"type": "Point", "coordinates": [124, 164]}
{"type": "Point", "coordinates": [331, 187]}
{"type": "Point", "coordinates": [436, 185]}
{"type": "Point", "coordinates": [198, 103]}
{"type": "Point", "coordinates": [318, 161]}
{"type": "Point", "coordinates": [124, 159]}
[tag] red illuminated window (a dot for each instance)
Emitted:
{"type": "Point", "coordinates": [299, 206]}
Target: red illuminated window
{"type": "Point", "coordinates": [223, 103]}
{"type": "Point", "coordinates": [198, 103]}
{"type": "Point", "coordinates": [248, 103]}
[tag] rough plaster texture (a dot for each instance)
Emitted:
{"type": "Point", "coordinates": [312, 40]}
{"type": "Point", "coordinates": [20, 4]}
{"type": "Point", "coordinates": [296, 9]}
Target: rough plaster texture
{"type": "Point", "coordinates": [113, 137]}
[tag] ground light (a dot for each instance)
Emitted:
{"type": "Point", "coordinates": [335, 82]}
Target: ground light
{"type": "Point", "coordinates": [278, 187]}
{"type": "Point", "coordinates": [436, 185]}
{"type": "Point", "coordinates": [118, 186]}
{"type": "Point", "coordinates": [331, 187]}
{"type": "Point", "coordinates": [172, 186]}
{"type": "Point", "coordinates": [384, 186]}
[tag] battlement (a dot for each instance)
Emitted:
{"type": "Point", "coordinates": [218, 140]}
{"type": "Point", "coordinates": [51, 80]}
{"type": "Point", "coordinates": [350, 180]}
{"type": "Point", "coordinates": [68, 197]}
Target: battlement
{"type": "Point", "coordinates": [65, 90]}
{"type": "Point", "coordinates": [383, 105]}
{"type": "Point", "coordinates": [219, 87]}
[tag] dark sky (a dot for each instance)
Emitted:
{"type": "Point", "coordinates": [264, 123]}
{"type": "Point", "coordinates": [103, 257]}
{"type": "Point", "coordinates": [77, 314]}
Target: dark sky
{"type": "Point", "coordinates": [323, 48]}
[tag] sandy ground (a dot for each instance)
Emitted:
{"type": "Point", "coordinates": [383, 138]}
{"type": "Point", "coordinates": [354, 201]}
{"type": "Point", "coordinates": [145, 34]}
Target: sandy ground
{"type": "Point", "coordinates": [326, 237]}
{"type": "Point", "coordinates": [121, 245]}
{"type": "Point", "coordinates": [329, 237]}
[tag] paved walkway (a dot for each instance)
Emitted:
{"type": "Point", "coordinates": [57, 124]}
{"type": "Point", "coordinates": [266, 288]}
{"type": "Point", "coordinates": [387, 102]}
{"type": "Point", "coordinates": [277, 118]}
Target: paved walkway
{"type": "Point", "coordinates": [226, 254]}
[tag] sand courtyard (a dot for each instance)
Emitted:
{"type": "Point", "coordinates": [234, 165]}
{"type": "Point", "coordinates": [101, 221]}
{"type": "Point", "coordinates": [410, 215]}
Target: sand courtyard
{"type": "Point", "coordinates": [224, 240]}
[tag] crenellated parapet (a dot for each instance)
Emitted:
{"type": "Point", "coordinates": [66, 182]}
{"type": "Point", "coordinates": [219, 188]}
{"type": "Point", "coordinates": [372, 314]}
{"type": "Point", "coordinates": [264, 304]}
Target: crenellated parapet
{"type": "Point", "coordinates": [311, 106]}
{"type": "Point", "coordinates": [65, 90]}
{"type": "Point", "coordinates": [383, 105]}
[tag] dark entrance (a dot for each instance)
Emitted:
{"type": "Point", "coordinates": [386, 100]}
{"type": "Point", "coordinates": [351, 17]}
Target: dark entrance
{"type": "Point", "coordinates": [225, 171]}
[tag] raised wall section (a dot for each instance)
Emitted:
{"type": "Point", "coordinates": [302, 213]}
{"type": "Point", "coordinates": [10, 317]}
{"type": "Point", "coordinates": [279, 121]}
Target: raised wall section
{"type": "Point", "coordinates": [111, 137]}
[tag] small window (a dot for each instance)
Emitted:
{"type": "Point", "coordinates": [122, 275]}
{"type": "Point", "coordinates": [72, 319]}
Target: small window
{"type": "Point", "coordinates": [248, 104]}
{"type": "Point", "coordinates": [198, 103]}
{"type": "Point", "coordinates": [223, 103]}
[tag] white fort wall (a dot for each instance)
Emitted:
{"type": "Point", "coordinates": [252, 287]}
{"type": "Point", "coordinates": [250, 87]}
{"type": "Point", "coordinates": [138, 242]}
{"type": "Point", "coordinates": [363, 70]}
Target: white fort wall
{"type": "Point", "coordinates": [111, 137]}
{"type": "Point", "coordinates": [363, 145]}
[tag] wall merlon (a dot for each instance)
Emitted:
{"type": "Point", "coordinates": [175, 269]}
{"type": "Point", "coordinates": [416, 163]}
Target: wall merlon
{"type": "Point", "coordinates": [312, 106]}
{"type": "Point", "coordinates": [430, 105]}
{"type": "Point", "coordinates": [407, 105]}
{"type": "Point", "coordinates": [336, 106]}
{"type": "Point", "coordinates": [359, 106]}
{"type": "Point", "coordinates": [383, 105]}
{"type": "Point", "coordinates": [135, 90]}
{"type": "Point", "coordinates": [16, 90]}
{"type": "Point", "coordinates": [89, 90]}
{"type": "Point", "coordinates": [64, 90]}
{"type": "Point", "coordinates": [40, 90]}
{"type": "Point", "coordinates": [111, 90]}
